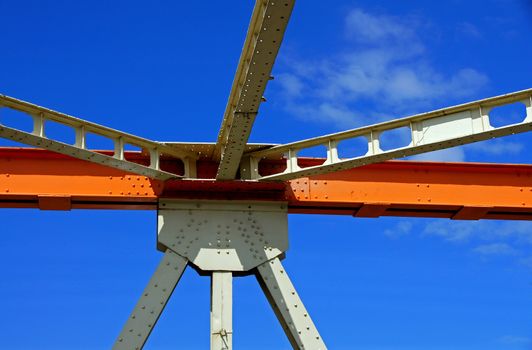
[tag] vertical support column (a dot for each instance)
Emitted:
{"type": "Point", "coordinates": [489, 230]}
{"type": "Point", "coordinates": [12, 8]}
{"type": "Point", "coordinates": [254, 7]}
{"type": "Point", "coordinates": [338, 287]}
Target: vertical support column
{"type": "Point", "coordinates": [222, 310]}
{"type": "Point", "coordinates": [152, 302]}
{"type": "Point", "coordinates": [288, 307]}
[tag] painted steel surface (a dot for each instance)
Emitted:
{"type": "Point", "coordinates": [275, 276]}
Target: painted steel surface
{"type": "Point", "coordinates": [32, 178]}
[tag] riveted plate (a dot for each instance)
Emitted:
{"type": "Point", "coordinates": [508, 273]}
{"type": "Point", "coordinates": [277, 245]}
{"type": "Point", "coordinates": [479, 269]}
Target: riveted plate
{"type": "Point", "coordinates": [224, 236]}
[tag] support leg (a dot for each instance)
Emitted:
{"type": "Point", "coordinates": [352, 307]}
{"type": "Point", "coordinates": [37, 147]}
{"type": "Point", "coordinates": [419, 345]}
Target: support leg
{"type": "Point", "coordinates": [150, 306]}
{"type": "Point", "coordinates": [221, 311]}
{"type": "Point", "coordinates": [288, 307]}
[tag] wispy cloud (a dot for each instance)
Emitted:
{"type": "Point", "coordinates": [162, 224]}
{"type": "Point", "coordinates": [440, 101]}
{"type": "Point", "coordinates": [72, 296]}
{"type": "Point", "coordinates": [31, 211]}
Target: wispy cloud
{"type": "Point", "coordinates": [515, 340]}
{"type": "Point", "coordinates": [455, 154]}
{"type": "Point", "coordinates": [485, 238]}
{"type": "Point", "coordinates": [466, 231]}
{"type": "Point", "coordinates": [496, 147]}
{"type": "Point", "coordinates": [469, 30]}
{"type": "Point", "coordinates": [384, 74]}
{"type": "Point", "coordinates": [495, 249]}
{"type": "Point", "coordinates": [402, 228]}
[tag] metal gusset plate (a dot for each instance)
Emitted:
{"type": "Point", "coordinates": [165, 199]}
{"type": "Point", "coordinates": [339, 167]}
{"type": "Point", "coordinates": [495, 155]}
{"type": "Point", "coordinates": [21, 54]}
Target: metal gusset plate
{"type": "Point", "coordinates": [440, 129]}
{"type": "Point", "coordinates": [264, 37]}
{"type": "Point", "coordinates": [41, 117]}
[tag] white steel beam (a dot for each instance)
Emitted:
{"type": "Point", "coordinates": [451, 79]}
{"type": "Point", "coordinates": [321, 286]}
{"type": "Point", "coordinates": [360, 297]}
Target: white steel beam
{"type": "Point", "coordinates": [264, 37]}
{"type": "Point", "coordinates": [440, 129]}
{"type": "Point", "coordinates": [221, 310]}
{"type": "Point", "coordinates": [152, 302]}
{"type": "Point", "coordinates": [82, 128]}
{"type": "Point", "coordinates": [288, 307]}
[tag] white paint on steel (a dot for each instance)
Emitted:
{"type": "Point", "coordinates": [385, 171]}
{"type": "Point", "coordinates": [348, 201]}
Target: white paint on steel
{"type": "Point", "coordinates": [430, 131]}
{"type": "Point", "coordinates": [288, 306]}
{"type": "Point", "coordinates": [264, 37]}
{"type": "Point", "coordinates": [221, 310]}
{"type": "Point", "coordinates": [224, 235]}
{"type": "Point", "coordinates": [82, 128]}
{"type": "Point", "coordinates": [152, 302]}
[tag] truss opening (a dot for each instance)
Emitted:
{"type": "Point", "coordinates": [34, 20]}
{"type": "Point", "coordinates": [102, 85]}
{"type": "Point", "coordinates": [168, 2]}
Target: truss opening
{"type": "Point", "coordinates": [128, 147]}
{"type": "Point", "coordinates": [95, 141]}
{"type": "Point", "coordinates": [509, 114]}
{"type": "Point", "coordinates": [395, 138]}
{"type": "Point", "coordinates": [352, 148]}
{"type": "Point", "coordinates": [319, 151]}
{"type": "Point", "coordinates": [60, 132]}
{"type": "Point", "coordinates": [132, 154]}
{"type": "Point", "coordinates": [16, 119]}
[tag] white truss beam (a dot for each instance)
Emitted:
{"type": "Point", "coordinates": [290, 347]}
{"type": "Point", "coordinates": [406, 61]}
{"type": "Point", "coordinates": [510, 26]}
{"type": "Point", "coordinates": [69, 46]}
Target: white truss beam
{"type": "Point", "coordinates": [82, 128]}
{"type": "Point", "coordinates": [152, 302]}
{"type": "Point", "coordinates": [264, 37]}
{"type": "Point", "coordinates": [440, 129]}
{"type": "Point", "coordinates": [288, 306]}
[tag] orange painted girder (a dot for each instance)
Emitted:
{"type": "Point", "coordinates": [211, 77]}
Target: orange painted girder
{"type": "Point", "coordinates": [404, 188]}
{"type": "Point", "coordinates": [42, 179]}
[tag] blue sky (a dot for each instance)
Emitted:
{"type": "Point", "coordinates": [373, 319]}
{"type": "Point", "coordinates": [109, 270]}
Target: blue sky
{"type": "Point", "coordinates": [163, 70]}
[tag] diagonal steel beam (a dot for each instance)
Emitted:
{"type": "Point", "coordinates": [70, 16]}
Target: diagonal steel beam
{"type": "Point", "coordinates": [264, 37]}
{"type": "Point", "coordinates": [288, 307]}
{"type": "Point", "coordinates": [38, 138]}
{"type": "Point", "coordinates": [152, 302]}
{"type": "Point", "coordinates": [431, 131]}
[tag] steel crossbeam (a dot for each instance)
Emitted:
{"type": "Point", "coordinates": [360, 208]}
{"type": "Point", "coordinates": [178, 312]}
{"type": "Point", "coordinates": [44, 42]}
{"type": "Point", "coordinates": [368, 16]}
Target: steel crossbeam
{"type": "Point", "coordinates": [430, 131]}
{"type": "Point", "coordinates": [82, 128]}
{"type": "Point", "coordinates": [264, 37]}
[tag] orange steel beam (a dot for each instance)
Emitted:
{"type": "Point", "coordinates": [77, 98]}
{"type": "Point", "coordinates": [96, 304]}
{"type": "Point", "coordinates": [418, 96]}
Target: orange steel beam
{"type": "Point", "coordinates": [31, 178]}
{"type": "Point", "coordinates": [460, 191]}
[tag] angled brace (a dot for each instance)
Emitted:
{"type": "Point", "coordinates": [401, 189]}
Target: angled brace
{"type": "Point", "coordinates": [152, 302]}
{"type": "Point", "coordinates": [288, 307]}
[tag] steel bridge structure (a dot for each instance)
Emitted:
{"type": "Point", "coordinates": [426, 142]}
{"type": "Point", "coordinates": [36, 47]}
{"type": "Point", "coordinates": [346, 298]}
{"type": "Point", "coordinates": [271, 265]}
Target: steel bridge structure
{"type": "Point", "coordinates": [223, 206]}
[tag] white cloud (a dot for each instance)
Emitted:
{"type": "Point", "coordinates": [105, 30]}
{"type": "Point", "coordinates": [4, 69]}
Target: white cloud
{"type": "Point", "coordinates": [402, 228]}
{"type": "Point", "coordinates": [445, 155]}
{"type": "Point", "coordinates": [469, 30]}
{"type": "Point", "coordinates": [291, 84]}
{"type": "Point", "coordinates": [496, 147]}
{"type": "Point", "coordinates": [519, 232]}
{"type": "Point", "coordinates": [366, 27]}
{"type": "Point", "coordinates": [454, 231]}
{"type": "Point", "coordinates": [495, 249]}
{"type": "Point", "coordinates": [384, 73]}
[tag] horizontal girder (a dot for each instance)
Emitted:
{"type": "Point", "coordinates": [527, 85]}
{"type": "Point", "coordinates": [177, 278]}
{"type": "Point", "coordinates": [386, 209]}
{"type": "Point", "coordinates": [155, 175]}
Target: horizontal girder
{"type": "Point", "coordinates": [31, 178]}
